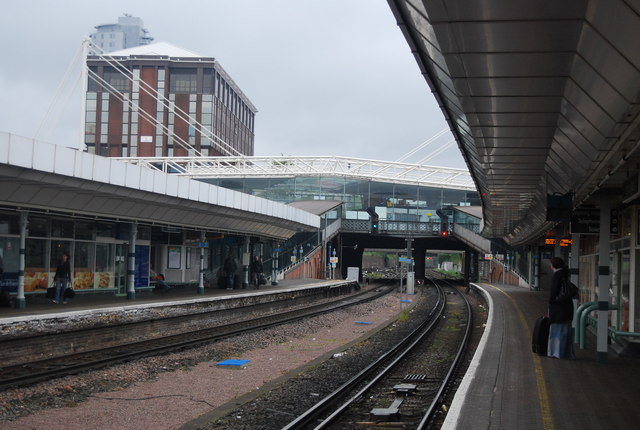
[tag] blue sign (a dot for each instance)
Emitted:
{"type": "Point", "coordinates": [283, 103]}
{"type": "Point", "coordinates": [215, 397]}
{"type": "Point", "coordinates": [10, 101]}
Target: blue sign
{"type": "Point", "coordinates": [141, 271]}
{"type": "Point", "coordinates": [9, 282]}
{"type": "Point", "coordinates": [277, 249]}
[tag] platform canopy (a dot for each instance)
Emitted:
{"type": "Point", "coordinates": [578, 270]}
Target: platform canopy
{"type": "Point", "coordinates": [41, 177]}
{"type": "Point", "coordinates": [541, 96]}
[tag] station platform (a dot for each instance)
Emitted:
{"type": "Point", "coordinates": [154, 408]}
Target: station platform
{"type": "Point", "coordinates": [509, 387]}
{"type": "Point", "coordinates": [39, 305]}
{"type": "Point", "coordinates": [103, 318]}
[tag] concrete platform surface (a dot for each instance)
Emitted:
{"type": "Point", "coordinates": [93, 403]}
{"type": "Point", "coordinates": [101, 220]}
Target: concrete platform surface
{"type": "Point", "coordinates": [508, 387]}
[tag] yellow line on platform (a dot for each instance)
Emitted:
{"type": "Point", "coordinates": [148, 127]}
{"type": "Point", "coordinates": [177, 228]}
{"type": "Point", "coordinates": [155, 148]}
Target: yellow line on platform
{"type": "Point", "coordinates": [543, 394]}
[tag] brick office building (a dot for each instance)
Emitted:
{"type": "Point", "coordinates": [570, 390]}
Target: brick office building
{"type": "Point", "coordinates": [174, 101]}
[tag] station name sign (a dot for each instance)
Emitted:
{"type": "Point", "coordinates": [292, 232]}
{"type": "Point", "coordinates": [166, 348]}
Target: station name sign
{"type": "Point", "coordinates": [585, 220]}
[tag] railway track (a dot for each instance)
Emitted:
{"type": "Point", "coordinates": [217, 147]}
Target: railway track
{"type": "Point", "coordinates": [38, 371]}
{"type": "Point", "coordinates": [405, 387]}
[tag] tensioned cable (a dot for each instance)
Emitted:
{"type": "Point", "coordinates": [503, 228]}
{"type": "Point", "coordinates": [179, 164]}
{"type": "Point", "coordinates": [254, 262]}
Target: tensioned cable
{"type": "Point", "coordinates": [423, 145]}
{"type": "Point", "coordinates": [413, 151]}
{"type": "Point", "coordinates": [59, 112]}
{"type": "Point", "coordinates": [145, 115]}
{"type": "Point", "coordinates": [438, 151]}
{"type": "Point", "coordinates": [62, 82]}
{"type": "Point", "coordinates": [433, 154]}
{"type": "Point", "coordinates": [229, 150]}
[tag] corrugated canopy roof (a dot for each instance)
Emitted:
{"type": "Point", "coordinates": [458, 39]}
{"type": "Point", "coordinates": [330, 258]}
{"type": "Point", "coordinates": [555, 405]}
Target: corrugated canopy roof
{"type": "Point", "coordinates": [542, 96]}
{"type": "Point", "coordinates": [45, 177]}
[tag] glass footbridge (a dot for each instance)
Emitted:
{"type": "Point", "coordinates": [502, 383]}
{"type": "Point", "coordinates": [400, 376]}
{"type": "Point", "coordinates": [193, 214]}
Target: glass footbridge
{"type": "Point", "coordinates": [407, 198]}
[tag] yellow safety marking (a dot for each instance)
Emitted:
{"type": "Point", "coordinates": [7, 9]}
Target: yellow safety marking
{"type": "Point", "coordinates": [543, 394]}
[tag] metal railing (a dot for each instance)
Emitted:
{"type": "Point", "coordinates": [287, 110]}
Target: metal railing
{"type": "Point", "coordinates": [392, 227]}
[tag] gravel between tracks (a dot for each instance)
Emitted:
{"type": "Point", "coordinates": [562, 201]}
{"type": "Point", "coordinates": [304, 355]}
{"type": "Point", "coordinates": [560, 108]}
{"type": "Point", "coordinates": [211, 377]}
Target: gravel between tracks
{"type": "Point", "coordinates": [166, 392]}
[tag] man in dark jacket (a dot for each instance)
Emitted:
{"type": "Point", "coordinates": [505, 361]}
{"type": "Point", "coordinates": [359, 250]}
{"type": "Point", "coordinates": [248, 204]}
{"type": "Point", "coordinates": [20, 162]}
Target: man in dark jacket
{"type": "Point", "coordinates": [230, 268]}
{"type": "Point", "coordinates": [258, 271]}
{"type": "Point", "coordinates": [560, 314]}
{"type": "Point", "coordinates": [62, 277]}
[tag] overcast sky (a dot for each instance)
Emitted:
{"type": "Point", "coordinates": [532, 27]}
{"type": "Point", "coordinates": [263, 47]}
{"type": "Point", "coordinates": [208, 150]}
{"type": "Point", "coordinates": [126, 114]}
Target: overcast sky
{"type": "Point", "coordinates": [329, 77]}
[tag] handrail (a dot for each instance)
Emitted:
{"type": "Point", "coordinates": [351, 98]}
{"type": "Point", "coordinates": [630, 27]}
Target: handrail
{"type": "Point", "coordinates": [615, 333]}
{"type": "Point", "coordinates": [583, 325]}
{"type": "Point", "coordinates": [585, 310]}
{"type": "Point", "coordinates": [576, 320]}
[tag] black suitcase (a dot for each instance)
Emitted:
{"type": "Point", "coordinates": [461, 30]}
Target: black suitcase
{"type": "Point", "coordinates": [540, 337]}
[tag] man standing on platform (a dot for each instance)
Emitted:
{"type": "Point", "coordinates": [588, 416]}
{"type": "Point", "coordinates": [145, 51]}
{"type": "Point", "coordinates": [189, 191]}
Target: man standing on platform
{"type": "Point", "coordinates": [230, 268]}
{"type": "Point", "coordinates": [257, 270]}
{"type": "Point", "coordinates": [560, 314]}
{"type": "Point", "coordinates": [62, 278]}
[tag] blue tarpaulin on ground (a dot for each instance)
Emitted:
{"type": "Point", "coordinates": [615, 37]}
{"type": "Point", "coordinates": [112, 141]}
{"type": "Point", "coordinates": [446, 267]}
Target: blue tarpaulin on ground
{"type": "Point", "coordinates": [232, 362]}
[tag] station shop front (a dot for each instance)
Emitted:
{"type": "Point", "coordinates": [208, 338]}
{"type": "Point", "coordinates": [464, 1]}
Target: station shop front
{"type": "Point", "coordinates": [99, 251]}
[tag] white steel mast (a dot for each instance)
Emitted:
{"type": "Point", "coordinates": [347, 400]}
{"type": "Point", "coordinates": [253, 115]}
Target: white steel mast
{"type": "Point", "coordinates": [83, 91]}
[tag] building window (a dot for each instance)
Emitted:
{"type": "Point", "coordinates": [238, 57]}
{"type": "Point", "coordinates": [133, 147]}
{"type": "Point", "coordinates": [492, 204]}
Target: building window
{"type": "Point", "coordinates": [208, 83]}
{"type": "Point", "coordinates": [61, 228]}
{"type": "Point", "coordinates": [92, 84]}
{"type": "Point", "coordinates": [117, 80]}
{"type": "Point", "coordinates": [183, 81]}
{"type": "Point", "coordinates": [38, 227]}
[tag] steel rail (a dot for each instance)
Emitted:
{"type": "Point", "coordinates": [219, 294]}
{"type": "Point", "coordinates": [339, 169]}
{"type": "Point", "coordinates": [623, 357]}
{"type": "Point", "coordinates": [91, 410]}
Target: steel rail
{"type": "Point", "coordinates": [399, 351]}
{"type": "Point", "coordinates": [72, 364]}
{"type": "Point", "coordinates": [439, 397]}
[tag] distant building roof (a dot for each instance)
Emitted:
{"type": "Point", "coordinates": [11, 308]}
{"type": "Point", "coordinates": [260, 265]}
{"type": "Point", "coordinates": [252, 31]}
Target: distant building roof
{"type": "Point", "coordinates": [165, 49]}
{"type": "Point", "coordinates": [161, 49]}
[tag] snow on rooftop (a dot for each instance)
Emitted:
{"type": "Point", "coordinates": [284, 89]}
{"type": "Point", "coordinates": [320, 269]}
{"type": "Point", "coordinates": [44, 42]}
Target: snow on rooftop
{"type": "Point", "coordinates": [157, 49]}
